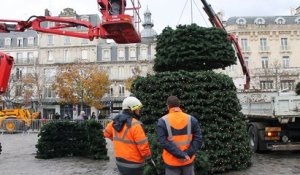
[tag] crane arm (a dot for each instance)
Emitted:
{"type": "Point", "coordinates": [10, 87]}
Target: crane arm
{"type": "Point", "coordinates": [36, 23]}
{"type": "Point", "coordinates": [216, 22]}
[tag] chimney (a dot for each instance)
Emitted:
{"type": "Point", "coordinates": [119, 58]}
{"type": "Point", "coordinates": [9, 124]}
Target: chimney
{"type": "Point", "coordinates": [47, 12]}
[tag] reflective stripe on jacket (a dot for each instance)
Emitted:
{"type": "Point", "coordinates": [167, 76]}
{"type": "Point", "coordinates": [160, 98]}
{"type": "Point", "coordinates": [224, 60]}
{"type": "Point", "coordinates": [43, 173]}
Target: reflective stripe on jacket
{"type": "Point", "coordinates": [130, 144]}
{"type": "Point", "coordinates": [179, 132]}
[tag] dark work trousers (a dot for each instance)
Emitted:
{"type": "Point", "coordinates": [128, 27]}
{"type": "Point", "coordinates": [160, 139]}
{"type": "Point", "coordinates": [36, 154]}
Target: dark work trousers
{"type": "Point", "coordinates": [186, 170]}
{"type": "Point", "coordinates": [130, 171]}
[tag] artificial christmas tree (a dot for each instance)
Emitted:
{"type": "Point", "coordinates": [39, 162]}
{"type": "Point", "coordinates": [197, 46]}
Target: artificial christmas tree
{"type": "Point", "coordinates": [184, 62]}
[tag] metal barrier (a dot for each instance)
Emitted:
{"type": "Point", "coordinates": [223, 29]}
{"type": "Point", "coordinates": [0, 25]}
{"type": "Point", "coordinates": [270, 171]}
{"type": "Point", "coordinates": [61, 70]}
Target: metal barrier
{"type": "Point", "coordinates": [19, 126]}
{"type": "Point", "coordinates": [104, 122]}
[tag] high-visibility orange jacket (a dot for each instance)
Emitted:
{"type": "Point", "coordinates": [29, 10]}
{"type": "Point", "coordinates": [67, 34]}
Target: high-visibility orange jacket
{"type": "Point", "coordinates": [131, 146]}
{"type": "Point", "coordinates": [180, 135]}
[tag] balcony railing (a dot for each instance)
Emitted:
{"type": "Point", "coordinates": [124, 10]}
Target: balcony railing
{"type": "Point", "coordinates": [285, 48]}
{"type": "Point", "coordinates": [246, 49]}
{"type": "Point", "coordinates": [264, 49]}
{"type": "Point", "coordinates": [24, 61]}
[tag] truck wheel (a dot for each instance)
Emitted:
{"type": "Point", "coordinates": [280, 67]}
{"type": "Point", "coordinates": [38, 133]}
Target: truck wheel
{"type": "Point", "coordinates": [253, 138]}
{"type": "Point", "coordinates": [10, 125]}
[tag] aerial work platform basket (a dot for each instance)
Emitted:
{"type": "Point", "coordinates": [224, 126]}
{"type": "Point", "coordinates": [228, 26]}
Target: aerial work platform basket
{"type": "Point", "coordinates": [121, 27]}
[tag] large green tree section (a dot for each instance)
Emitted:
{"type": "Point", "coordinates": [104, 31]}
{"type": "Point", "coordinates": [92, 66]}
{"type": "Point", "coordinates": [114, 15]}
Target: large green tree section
{"type": "Point", "coordinates": [193, 48]}
{"type": "Point", "coordinates": [212, 99]}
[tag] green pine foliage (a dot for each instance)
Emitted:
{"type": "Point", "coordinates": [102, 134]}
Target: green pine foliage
{"type": "Point", "coordinates": [297, 90]}
{"type": "Point", "coordinates": [60, 139]}
{"type": "Point", "coordinates": [193, 48]}
{"type": "Point", "coordinates": [184, 60]}
{"type": "Point", "coordinates": [211, 98]}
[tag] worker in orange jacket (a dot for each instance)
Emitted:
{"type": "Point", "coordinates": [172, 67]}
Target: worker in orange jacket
{"type": "Point", "coordinates": [180, 136]}
{"type": "Point", "coordinates": [130, 142]}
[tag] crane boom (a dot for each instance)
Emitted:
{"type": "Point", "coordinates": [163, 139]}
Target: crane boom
{"type": "Point", "coordinates": [216, 22]}
{"type": "Point", "coordinates": [120, 27]}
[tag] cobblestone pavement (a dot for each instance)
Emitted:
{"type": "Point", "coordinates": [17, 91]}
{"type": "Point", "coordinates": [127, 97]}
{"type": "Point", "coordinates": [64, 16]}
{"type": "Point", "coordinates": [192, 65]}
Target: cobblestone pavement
{"type": "Point", "coordinates": [18, 151]}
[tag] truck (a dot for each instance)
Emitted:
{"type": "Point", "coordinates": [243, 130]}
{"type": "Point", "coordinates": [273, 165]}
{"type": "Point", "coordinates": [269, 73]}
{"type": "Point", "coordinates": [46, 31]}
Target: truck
{"type": "Point", "coordinates": [273, 120]}
{"type": "Point", "coordinates": [12, 120]}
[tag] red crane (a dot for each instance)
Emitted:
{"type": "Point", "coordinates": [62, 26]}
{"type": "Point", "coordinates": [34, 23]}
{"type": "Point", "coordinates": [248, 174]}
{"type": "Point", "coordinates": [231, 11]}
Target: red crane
{"type": "Point", "coordinates": [122, 28]}
{"type": "Point", "coordinates": [216, 22]}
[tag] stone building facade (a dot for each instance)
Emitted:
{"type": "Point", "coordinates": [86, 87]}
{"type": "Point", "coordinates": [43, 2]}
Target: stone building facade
{"type": "Point", "coordinates": [270, 47]}
{"type": "Point", "coordinates": [43, 53]}
{"type": "Point", "coordinates": [23, 47]}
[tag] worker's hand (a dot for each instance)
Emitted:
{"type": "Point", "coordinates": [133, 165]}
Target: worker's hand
{"type": "Point", "coordinates": [186, 158]}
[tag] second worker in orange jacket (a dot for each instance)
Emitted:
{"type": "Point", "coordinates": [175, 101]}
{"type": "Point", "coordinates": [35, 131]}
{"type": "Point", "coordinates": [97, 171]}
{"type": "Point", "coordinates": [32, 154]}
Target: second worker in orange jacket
{"type": "Point", "coordinates": [130, 142]}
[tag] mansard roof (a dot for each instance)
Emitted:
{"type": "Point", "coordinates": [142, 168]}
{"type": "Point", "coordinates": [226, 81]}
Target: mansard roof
{"type": "Point", "coordinates": [266, 20]}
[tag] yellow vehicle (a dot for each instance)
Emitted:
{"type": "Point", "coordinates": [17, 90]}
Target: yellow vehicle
{"type": "Point", "coordinates": [13, 120]}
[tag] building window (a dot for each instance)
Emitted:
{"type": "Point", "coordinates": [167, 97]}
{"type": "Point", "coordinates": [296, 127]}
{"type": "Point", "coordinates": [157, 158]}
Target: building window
{"type": "Point", "coordinates": [18, 73]}
{"type": "Point", "coordinates": [259, 21]}
{"type": "Point", "coordinates": [247, 61]}
{"type": "Point", "coordinates": [20, 58]}
{"type": "Point", "coordinates": [30, 41]}
{"type": "Point", "coordinates": [143, 54]}
{"type": "Point", "coordinates": [106, 54]}
{"type": "Point", "coordinates": [20, 42]}
{"type": "Point", "coordinates": [18, 90]}
{"type": "Point", "coordinates": [84, 54]}
{"type": "Point", "coordinates": [30, 57]}
{"type": "Point", "coordinates": [132, 53]}
{"type": "Point", "coordinates": [287, 84]}
{"type": "Point", "coordinates": [84, 41]}
{"type": "Point", "coordinates": [244, 44]}
{"type": "Point", "coordinates": [121, 54]}
{"type": "Point", "coordinates": [50, 56]}
{"type": "Point", "coordinates": [49, 75]}
{"type": "Point", "coordinates": [8, 41]}
{"type": "Point", "coordinates": [67, 40]}
{"type": "Point", "coordinates": [49, 93]}
{"type": "Point", "coordinates": [66, 55]}
{"type": "Point", "coordinates": [280, 21]}
{"type": "Point", "coordinates": [121, 90]}
{"type": "Point", "coordinates": [285, 61]}
{"type": "Point", "coordinates": [50, 39]}
{"type": "Point", "coordinates": [51, 24]}
{"type": "Point", "coordinates": [263, 44]}
{"type": "Point", "coordinates": [284, 44]}
{"type": "Point", "coordinates": [121, 72]}
{"type": "Point", "coordinates": [152, 52]}
{"type": "Point", "coordinates": [241, 21]}
{"type": "Point", "coordinates": [264, 62]}
{"type": "Point", "coordinates": [266, 85]}
{"type": "Point", "coordinates": [111, 92]}
{"type": "Point", "coordinates": [297, 20]}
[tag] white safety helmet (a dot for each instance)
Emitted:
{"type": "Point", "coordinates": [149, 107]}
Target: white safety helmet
{"type": "Point", "coordinates": [131, 103]}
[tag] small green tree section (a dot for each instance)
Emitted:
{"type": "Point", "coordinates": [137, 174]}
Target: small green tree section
{"type": "Point", "coordinates": [60, 139]}
{"type": "Point", "coordinates": [297, 90]}
{"type": "Point", "coordinates": [193, 48]}
{"type": "Point", "coordinates": [212, 99]}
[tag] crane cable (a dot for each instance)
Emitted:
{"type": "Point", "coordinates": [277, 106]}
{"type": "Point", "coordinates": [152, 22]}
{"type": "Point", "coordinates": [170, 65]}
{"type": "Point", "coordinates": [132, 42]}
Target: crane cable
{"type": "Point", "coordinates": [204, 19]}
{"type": "Point", "coordinates": [182, 11]}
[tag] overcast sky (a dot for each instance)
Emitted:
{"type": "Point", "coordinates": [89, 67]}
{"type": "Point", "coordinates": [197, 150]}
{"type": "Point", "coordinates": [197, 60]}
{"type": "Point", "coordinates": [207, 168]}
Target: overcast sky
{"type": "Point", "coordinates": [164, 12]}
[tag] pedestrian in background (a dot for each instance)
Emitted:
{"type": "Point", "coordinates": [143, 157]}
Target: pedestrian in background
{"type": "Point", "coordinates": [180, 136]}
{"type": "Point", "coordinates": [93, 116]}
{"type": "Point", "coordinates": [130, 142]}
{"type": "Point", "coordinates": [81, 116]}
